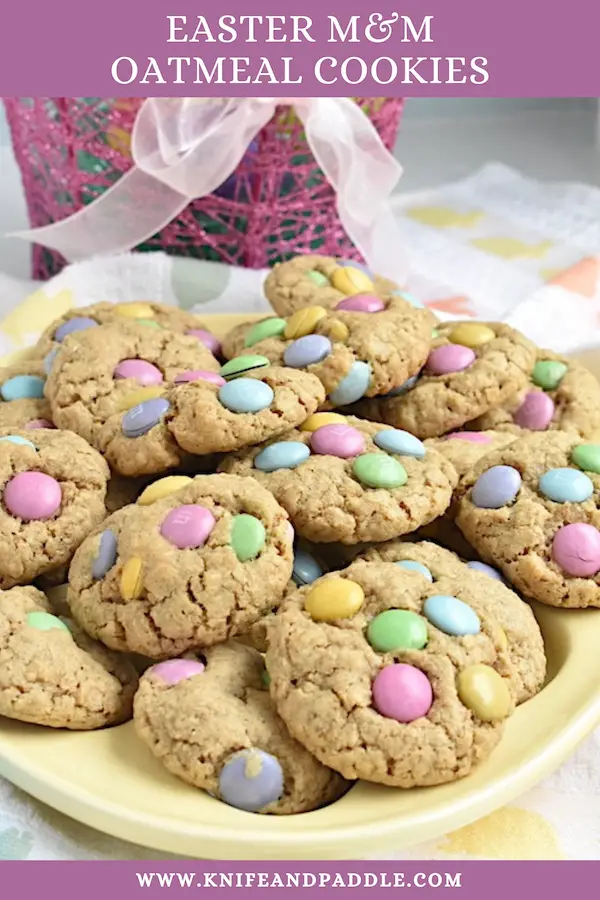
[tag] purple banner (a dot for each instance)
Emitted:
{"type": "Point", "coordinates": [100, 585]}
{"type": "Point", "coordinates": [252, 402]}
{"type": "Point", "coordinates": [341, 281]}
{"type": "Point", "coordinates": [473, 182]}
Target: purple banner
{"type": "Point", "coordinates": [263, 48]}
{"type": "Point", "coordinates": [469, 881]}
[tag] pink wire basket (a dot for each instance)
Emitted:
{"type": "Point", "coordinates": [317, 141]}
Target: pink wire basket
{"type": "Point", "coordinates": [276, 205]}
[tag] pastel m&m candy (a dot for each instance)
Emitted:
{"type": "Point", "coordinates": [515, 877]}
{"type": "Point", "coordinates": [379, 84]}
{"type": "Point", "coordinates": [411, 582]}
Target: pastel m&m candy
{"type": "Point", "coordinates": [412, 565]}
{"type": "Point", "coordinates": [366, 303]}
{"type": "Point", "coordinates": [263, 330]}
{"type": "Point", "coordinates": [37, 423]}
{"type": "Point", "coordinates": [353, 386]}
{"type": "Point", "coordinates": [397, 629]}
{"type": "Point", "coordinates": [482, 690]}
{"type": "Point", "coordinates": [306, 569]}
{"type": "Point", "coordinates": [307, 351]}
{"type": "Point", "coordinates": [43, 621]}
{"type": "Point", "coordinates": [402, 692]}
{"type": "Point", "coordinates": [209, 340]}
{"type": "Point", "coordinates": [451, 615]}
{"type": "Point", "coordinates": [135, 310]}
{"type": "Point", "coordinates": [139, 420]}
{"type": "Point", "coordinates": [485, 569]}
{"type": "Point", "coordinates": [21, 387]}
{"type": "Point", "coordinates": [248, 537]}
{"type": "Point", "coordinates": [351, 280]}
{"type": "Point", "coordinates": [241, 365]}
{"type": "Point", "coordinates": [471, 334]}
{"type": "Point", "coordinates": [251, 780]}
{"type": "Point", "coordinates": [164, 487]}
{"type": "Point", "coordinates": [141, 371]}
{"type": "Point", "coordinates": [450, 358]}
{"type": "Point", "coordinates": [376, 470]}
{"type": "Point", "coordinates": [17, 439]}
{"type": "Point", "coordinates": [548, 373]}
{"type": "Point", "coordinates": [535, 412]}
{"type": "Point", "coordinates": [393, 440]}
{"type": "Point", "coordinates": [334, 598]}
{"type": "Point", "coordinates": [303, 322]}
{"type": "Point", "coordinates": [172, 671]}
{"type": "Point", "coordinates": [106, 555]}
{"type": "Point", "coordinates": [496, 488]}
{"type": "Point", "coordinates": [199, 375]}
{"type": "Point", "coordinates": [32, 496]}
{"type": "Point", "coordinates": [576, 549]}
{"type": "Point", "coordinates": [342, 441]}
{"type": "Point", "coordinates": [281, 455]}
{"type": "Point", "coordinates": [318, 420]}
{"type": "Point", "coordinates": [77, 323]}
{"type": "Point", "coordinates": [565, 485]}
{"type": "Point", "coordinates": [246, 395]}
{"type": "Point", "coordinates": [472, 437]}
{"type": "Point", "coordinates": [135, 398]}
{"type": "Point", "coordinates": [132, 579]}
{"type": "Point", "coordinates": [587, 457]}
{"type": "Point", "coordinates": [188, 526]}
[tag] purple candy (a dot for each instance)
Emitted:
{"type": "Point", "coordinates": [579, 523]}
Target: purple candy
{"type": "Point", "coordinates": [495, 488]}
{"type": "Point", "coordinates": [307, 351]}
{"type": "Point", "coordinates": [535, 412]}
{"type": "Point", "coordinates": [450, 358]}
{"type": "Point", "coordinates": [251, 780]}
{"type": "Point", "coordinates": [140, 419]}
{"type": "Point", "coordinates": [485, 570]}
{"type": "Point", "coordinates": [366, 303]}
{"type": "Point", "coordinates": [77, 323]}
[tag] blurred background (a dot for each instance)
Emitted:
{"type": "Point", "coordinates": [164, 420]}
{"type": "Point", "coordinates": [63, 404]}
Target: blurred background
{"type": "Point", "coordinates": [439, 141]}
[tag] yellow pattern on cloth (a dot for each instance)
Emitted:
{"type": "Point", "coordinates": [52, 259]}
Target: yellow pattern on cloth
{"type": "Point", "coordinates": [509, 833]}
{"type": "Point", "coordinates": [444, 216]}
{"type": "Point", "coordinates": [38, 309]}
{"type": "Point", "coordinates": [512, 248]}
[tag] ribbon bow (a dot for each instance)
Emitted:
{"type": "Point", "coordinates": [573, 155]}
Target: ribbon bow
{"type": "Point", "coordinates": [184, 149]}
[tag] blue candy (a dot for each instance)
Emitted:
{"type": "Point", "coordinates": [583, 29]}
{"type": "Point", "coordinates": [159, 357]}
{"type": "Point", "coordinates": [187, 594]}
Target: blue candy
{"type": "Point", "coordinates": [354, 386]}
{"type": "Point", "coordinates": [245, 395]}
{"type": "Point", "coordinates": [106, 556]}
{"type": "Point", "coordinates": [142, 418]}
{"type": "Point", "coordinates": [282, 455]}
{"type": "Point", "coordinates": [566, 485]}
{"type": "Point", "coordinates": [251, 780]}
{"type": "Point", "coordinates": [21, 387]}
{"type": "Point", "coordinates": [485, 569]}
{"type": "Point", "coordinates": [413, 566]}
{"type": "Point", "coordinates": [451, 615]}
{"type": "Point", "coordinates": [393, 440]}
{"type": "Point", "coordinates": [49, 360]}
{"type": "Point", "coordinates": [306, 569]}
{"type": "Point", "coordinates": [497, 487]}
{"type": "Point", "coordinates": [410, 298]}
{"type": "Point", "coordinates": [307, 351]}
{"type": "Point", "coordinates": [77, 323]}
{"type": "Point", "coordinates": [17, 439]}
{"type": "Point", "coordinates": [403, 388]}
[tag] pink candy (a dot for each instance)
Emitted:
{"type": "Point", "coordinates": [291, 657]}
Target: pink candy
{"type": "Point", "coordinates": [474, 437]}
{"type": "Point", "coordinates": [199, 375]}
{"type": "Point", "coordinates": [38, 423]}
{"type": "Point", "coordinates": [32, 496]}
{"type": "Point", "coordinates": [402, 692]}
{"type": "Point", "coordinates": [535, 412]}
{"type": "Point", "coordinates": [366, 303]}
{"type": "Point", "coordinates": [209, 340]}
{"type": "Point", "coordinates": [188, 526]}
{"type": "Point", "coordinates": [143, 372]}
{"type": "Point", "coordinates": [174, 670]}
{"type": "Point", "coordinates": [450, 358]}
{"type": "Point", "coordinates": [290, 532]}
{"type": "Point", "coordinates": [576, 549]}
{"type": "Point", "coordinates": [337, 440]}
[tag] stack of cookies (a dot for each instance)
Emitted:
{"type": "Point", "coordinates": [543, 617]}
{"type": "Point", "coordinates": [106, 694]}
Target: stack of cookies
{"type": "Point", "coordinates": [299, 558]}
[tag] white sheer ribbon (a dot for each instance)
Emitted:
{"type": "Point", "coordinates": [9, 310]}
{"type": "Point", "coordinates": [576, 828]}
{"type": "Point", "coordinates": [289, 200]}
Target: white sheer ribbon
{"type": "Point", "coordinates": [184, 149]}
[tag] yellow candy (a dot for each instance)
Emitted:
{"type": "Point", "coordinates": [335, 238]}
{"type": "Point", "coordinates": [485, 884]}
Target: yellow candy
{"type": "Point", "coordinates": [164, 487]}
{"type": "Point", "coordinates": [352, 281]}
{"type": "Point", "coordinates": [337, 331]}
{"type": "Point", "coordinates": [470, 334]}
{"type": "Point", "coordinates": [502, 640]}
{"type": "Point", "coordinates": [317, 420]}
{"type": "Point", "coordinates": [132, 583]}
{"type": "Point", "coordinates": [137, 397]}
{"type": "Point", "coordinates": [303, 322]}
{"type": "Point", "coordinates": [484, 692]}
{"type": "Point", "coordinates": [135, 310]}
{"type": "Point", "coordinates": [334, 598]}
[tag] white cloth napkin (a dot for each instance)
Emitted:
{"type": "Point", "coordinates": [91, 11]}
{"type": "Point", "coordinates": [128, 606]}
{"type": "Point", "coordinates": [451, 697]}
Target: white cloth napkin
{"type": "Point", "coordinates": [502, 247]}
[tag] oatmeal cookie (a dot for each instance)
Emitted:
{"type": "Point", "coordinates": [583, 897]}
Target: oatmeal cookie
{"type": "Point", "coordinates": [22, 401]}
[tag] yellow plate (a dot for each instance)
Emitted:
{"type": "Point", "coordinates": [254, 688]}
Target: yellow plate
{"type": "Point", "coordinates": [109, 780]}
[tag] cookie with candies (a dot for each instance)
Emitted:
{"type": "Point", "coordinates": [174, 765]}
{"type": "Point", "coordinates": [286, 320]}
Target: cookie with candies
{"type": "Point", "coordinates": [22, 401]}
{"type": "Point", "coordinates": [189, 570]}
{"type": "Point", "coordinates": [53, 487]}
{"type": "Point", "coordinates": [532, 510]}
{"type": "Point", "coordinates": [362, 347]}
{"type": "Point", "coordinates": [472, 368]}
{"type": "Point", "coordinates": [524, 642]}
{"type": "Point", "coordinates": [346, 480]}
{"type": "Point", "coordinates": [153, 316]}
{"type": "Point", "coordinates": [387, 677]}
{"type": "Point", "coordinates": [52, 674]}
{"type": "Point", "coordinates": [212, 723]}
{"type": "Point", "coordinates": [561, 395]}
{"type": "Point", "coordinates": [324, 281]}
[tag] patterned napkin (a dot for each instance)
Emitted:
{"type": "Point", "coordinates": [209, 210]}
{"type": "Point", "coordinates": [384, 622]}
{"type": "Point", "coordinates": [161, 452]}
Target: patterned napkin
{"type": "Point", "coordinates": [503, 247]}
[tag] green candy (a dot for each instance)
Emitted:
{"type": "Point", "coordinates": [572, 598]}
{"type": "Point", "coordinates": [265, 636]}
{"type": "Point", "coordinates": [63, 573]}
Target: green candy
{"type": "Point", "coordinates": [266, 678]}
{"type": "Point", "coordinates": [548, 374]}
{"type": "Point", "coordinates": [149, 322]}
{"type": "Point", "coordinates": [377, 470]}
{"type": "Point", "coordinates": [397, 629]}
{"type": "Point", "coordinates": [587, 457]}
{"type": "Point", "coordinates": [247, 537]}
{"type": "Point", "coordinates": [43, 621]}
{"type": "Point", "coordinates": [241, 365]}
{"type": "Point", "coordinates": [318, 278]}
{"type": "Point", "coordinates": [263, 330]}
